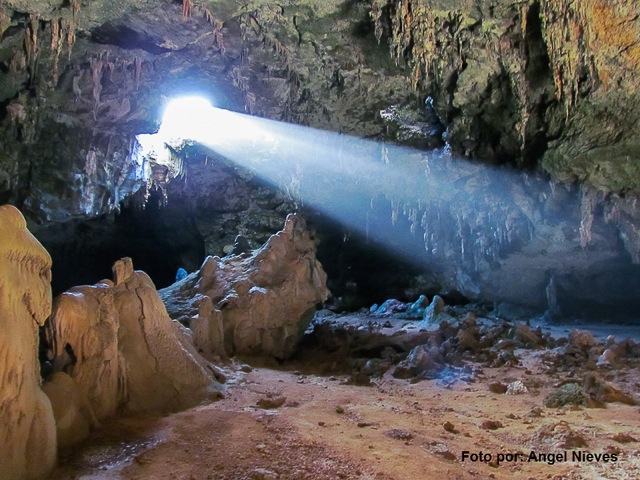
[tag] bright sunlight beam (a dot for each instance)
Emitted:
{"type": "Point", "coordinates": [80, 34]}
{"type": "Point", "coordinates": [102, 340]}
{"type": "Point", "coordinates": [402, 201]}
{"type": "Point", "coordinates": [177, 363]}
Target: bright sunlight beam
{"type": "Point", "coordinates": [464, 218]}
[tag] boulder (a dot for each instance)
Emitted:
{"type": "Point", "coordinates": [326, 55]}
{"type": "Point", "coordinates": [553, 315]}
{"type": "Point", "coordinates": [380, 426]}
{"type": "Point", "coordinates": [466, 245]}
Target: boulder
{"type": "Point", "coordinates": [435, 308]}
{"type": "Point", "coordinates": [390, 307]}
{"type": "Point", "coordinates": [417, 308]}
{"type": "Point", "coordinates": [258, 303]}
{"type": "Point", "coordinates": [27, 427]}
{"type": "Point", "coordinates": [435, 315]}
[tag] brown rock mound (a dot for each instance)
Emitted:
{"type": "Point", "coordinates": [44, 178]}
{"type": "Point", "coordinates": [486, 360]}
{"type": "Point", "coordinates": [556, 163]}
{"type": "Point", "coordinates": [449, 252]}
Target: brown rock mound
{"type": "Point", "coordinates": [256, 303]}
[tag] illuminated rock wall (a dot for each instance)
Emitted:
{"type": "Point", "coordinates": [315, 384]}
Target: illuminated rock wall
{"type": "Point", "coordinates": [27, 429]}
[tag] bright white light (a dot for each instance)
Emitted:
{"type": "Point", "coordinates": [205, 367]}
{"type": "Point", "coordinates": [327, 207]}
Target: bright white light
{"type": "Point", "coordinates": [195, 119]}
{"type": "Point", "coordinates": [187, 118]}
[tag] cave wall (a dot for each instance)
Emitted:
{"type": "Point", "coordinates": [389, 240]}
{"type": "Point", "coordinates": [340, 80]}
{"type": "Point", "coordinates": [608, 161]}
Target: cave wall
{"type": "Point", "coordinates": [537, 82]}
{"type": "Point", "coordinates": [539, 85]}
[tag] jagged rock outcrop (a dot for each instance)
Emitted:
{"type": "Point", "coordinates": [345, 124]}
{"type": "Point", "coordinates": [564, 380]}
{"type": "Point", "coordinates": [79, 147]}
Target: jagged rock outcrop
{"type": "Point", "coordinates": [27, 428]}
{"type": "Point", "coordinates": [253, 304]}
{"type": "Point", "coordinates": [117, 343]}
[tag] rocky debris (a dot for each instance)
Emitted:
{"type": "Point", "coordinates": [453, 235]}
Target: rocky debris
{"type": "Point", "coordinates": [535, 412]}
{"type": "Point", "coordinates": [516, 388]}
{"type": "Point", "coordinates": [423, 361]}
{"type": "Point", "coordinates": [359, 379]}
{"type": "Point", "coordinates": [389, 307]}
{"type": "Point", "coordinates": [117, 343]}
{"type": "Point", "coordinates": [560, 435]}
{"type": "Point", "coordinates": [442, 450]}
{"type": "Point", "coordinates": [271, 402]}
{"type": "Point", "coordinates": [434, 314]}
{"type": "Point", "coordinates": [580, 341]}
{"type": "Point", "coordinates": [608, 358]}
{"type": "Point", "coordinates": [410, 311]}
{"type": "Point", "coordinates": [491, 425]}
{"type": "Point", "coordinates": [263, 474]}
{"type": "Point", "coordinates": [449, 427]}
{"type": "Point", "coordinates": [27, 425]}
{"type": "Point", "coordinates": [624, 438]}
{"type": "Point", "coordinates": [529, 337]}
{"type": "Point", "coordinates": [253, 304]}
{"type": "Point", "coordinates": [417, 308]}
{"type": "Point", "coordinates": [582, 350]}
{"type": "Point", "coordinates": [399, 434]}
{"type": "Point", "coordinates": [498, 387]}
{"type": "Point", "coordinates": [602, 392]}
{"type": "Point", "coordinates": [370, 348]}
{"type": "Point", "coordinates": [567, 394]}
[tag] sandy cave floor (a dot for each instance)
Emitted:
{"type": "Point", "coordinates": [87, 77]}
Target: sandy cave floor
{"type": "Point", "coordinates": [289, 423]}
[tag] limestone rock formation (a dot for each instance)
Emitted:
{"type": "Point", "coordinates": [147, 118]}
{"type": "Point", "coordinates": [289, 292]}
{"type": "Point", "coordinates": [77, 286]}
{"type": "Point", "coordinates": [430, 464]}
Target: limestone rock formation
{"type": "Point", "coordinates": [27, 429]}
{"type": "Point", "coordinates": [72, 412]}
{"type": "Point", "coordinates": [117, 343]}
{"type": "Point", "coordinates": [256, 304]}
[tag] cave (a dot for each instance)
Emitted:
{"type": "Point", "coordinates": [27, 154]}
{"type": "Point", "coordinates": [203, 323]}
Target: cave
{"type": "Point", "coordinates": [346, 239]}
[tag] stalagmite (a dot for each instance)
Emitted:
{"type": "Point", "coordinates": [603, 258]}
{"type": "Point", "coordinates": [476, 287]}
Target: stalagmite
{"type": "Point", "coordinates": [116, 341]}
{"type": "Point", "coordinates": [253, 304]}
{"type": "Point", "coordinates": [83, 334]}
{"type": "Point", "coordinates": [27, 429]}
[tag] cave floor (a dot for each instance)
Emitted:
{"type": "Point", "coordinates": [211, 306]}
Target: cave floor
{"type": "Point", "coordinates": [326, 428]}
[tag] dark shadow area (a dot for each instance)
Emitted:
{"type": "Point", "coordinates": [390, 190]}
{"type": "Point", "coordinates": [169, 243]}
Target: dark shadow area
{"type": "Point", "coordinates": [359, 272]}
{"type": "Point", "coordinates": [158, 239]}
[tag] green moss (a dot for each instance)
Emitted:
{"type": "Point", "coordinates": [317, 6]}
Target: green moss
{"type": "Point", "coordinates": [568, 394]}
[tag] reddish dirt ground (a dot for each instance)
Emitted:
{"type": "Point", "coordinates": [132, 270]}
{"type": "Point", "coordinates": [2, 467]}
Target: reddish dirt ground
{"type": "Point", "coordinates": [394, 429]}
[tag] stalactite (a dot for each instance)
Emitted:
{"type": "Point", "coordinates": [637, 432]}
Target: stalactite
{"type": "Point", "coordinates": [18, 62]}
{"type": "Point", "coordinates": [31, 46]}
{"type": "Point", "coordinates": [187, 8]}
{"type": "Point", "coordinates": [5, 20]}
{"type": "Point", "coordinates": [217, 24]}
{"type": "Point", "coordinates": [97, 65]}
{"type": "Point", "coordinates": [57, 42]}
{"type": "Point", "coordinates": [71, 28]}
{"type": "Point", "coordinates": [137, 62]}
{"type": "Point", "coordinates": [376, 18]}
{"type": "Point", "coordinates": [395, 210]}
{"type": "Point", "coordinates": [566, 33]}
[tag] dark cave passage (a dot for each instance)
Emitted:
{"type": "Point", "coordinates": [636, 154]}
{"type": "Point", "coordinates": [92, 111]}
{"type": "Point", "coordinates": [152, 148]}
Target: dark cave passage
{"type": "Point", "coordinates": [158, 239]}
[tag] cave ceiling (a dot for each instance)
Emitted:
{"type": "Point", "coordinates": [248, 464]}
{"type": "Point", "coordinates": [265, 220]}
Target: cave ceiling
{"type": "Point", "coordinates": [106, 64]}
{"type": "Point", "coordinates": [533, 83]}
